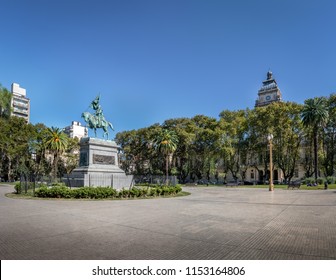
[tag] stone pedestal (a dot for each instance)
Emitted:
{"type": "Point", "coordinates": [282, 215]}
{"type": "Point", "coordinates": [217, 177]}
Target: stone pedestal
{"type": "Point", "coordinates": [98, 165]}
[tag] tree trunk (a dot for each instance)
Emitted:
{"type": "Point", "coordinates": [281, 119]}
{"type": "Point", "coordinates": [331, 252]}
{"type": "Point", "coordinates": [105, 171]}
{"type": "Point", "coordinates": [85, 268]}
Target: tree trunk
{"type": "Point", "coordinates": [315, 157]}
{"type": "Point", "coordinates": [55, 162]}
{"type": "Point", "coordinates": [167, 166]}
{"type": "Point", "coordinates": [9, 174]}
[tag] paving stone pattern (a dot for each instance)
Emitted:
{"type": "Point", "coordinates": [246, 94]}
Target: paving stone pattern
{"type": "Point", "coordinates": [211, 223]}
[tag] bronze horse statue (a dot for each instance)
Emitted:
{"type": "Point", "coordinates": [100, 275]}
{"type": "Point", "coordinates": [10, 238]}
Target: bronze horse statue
{"type": "Point", "coordinates": [97, 121]}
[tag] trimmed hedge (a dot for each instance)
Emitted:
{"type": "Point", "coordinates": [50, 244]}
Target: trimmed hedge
{"type": "Point", "coordinates": [320, 181]}
{"type": "Point", "coordinates": [105, 192]}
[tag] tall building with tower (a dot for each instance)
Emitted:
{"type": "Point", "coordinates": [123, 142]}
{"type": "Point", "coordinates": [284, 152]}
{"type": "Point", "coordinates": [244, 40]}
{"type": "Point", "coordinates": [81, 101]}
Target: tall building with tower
{"type": "Point", "coordinates": [20, 103]}
{"type": "Point", "coordinates": [269, 92]}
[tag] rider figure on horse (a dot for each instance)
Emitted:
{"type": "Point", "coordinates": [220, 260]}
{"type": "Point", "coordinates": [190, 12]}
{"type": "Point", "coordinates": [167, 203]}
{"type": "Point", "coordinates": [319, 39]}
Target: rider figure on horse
{"type": "Point", "coordinates": [99, 111]}
{"type": "Point", "coordinates": [97, 120]}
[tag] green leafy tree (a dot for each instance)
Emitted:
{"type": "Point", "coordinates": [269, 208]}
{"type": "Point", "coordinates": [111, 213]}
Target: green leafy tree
{"type": "Point", "coordinates": [138, 156]}
{"type": "Point", "coordinates": [315, 116]}
{"type": "Point", "coordinates": [204, 157]}
{"type": "Point", "coordinates": [38, 163]}
{"type": "Point", "coordinates": [288, 136]}
{"type": "Point", "coordinates": [15, 135]}
{"type": "Point", "coordinates": [259, 126]}
{"type": "Point", "coordinates": [71, 155]}
{"type": "Point", "coordinates": [329, 139]}
{"type": "Point", "coordinates": [166, 142]}
{"type": "Point", "coordinates": [5, 102]}
{"type": "Point", "coordinates": [234, 148]}
{"type": "Point", "coordinates": [185, 131]}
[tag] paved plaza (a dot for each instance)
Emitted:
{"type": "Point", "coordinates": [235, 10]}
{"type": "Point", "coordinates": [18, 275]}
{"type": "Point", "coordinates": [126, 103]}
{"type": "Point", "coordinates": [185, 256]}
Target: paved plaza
{"type": "Point", "coordinates": [211, 223]}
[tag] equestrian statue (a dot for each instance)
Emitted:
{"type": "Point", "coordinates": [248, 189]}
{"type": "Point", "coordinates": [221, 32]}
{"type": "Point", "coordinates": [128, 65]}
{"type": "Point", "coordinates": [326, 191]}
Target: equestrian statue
{"type": "Point", "coordinates": [97, 120]}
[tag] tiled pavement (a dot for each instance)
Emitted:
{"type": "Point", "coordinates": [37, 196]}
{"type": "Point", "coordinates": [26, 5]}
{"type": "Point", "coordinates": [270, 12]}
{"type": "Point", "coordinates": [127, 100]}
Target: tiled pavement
{"type": "Point", "coordinates": [211, 223]}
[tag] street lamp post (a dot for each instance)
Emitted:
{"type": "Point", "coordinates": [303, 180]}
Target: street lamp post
{"type": "Point", "coordinates": [270, 139]}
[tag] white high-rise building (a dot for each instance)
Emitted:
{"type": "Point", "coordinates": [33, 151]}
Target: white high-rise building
{"type": "Point", "coordinates": [20, 103]}
{"type": "Point", "coordinates": [76, 130]}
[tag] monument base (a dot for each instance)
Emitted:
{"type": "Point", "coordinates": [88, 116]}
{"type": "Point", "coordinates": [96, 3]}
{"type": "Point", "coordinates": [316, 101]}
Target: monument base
{"type": "Point", "coordinates": [98, 166]}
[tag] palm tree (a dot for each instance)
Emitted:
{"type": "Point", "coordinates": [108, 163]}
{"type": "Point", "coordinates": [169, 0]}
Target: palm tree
{"type": "Point", "coordinates": [166, 142]}
{"type": "Point", "coordinates": [315, 115]}
{"type": "Point", "coordinates": [56, 142]}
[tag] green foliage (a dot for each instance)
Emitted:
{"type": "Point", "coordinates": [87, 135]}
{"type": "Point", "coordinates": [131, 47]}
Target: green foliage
{"type": "Point", "coordinates": [5, 102]}
{"type": "Point", "coordinates": [315, 112]}
{"type": "Point", "coordinates": [320, 181]}
{"type": "Point", "coordinates": [331, 180]}
{"type": "Point", "coordinates": [328, 154]}
{"type": "Point", "coordinates": [43, 191]}
{"type": "Point", "coordinates": [105, 192]}
{"type": "Point", "coordinates": [59, 192]}
{"type": "Point", "coordinates": [166, 142]}
{"type": "Point", "coordinates": [198, 148]}
{"type": "Point", "coordinates": [315, 116]}
{"type": "Point", "coordinates": [58, 184]}
{"type": "Point", "coordinates": [18, 188]}
{"type": "Point", "coordinates": [15, 135]}
{"type": "Point", "coordinates": [56, 141]}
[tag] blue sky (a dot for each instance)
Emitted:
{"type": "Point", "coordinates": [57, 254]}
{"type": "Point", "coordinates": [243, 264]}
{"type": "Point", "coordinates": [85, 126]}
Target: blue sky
{"type": "Point", "coordinates": [156, 60]}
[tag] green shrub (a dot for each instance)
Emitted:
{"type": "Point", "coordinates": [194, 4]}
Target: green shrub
{"type": "Point", "coordinates": [42, 192]}
{"type": "Point", "coordinates": [331, 180]}
{"type": "Point", "coordinates": [104, 192]}
{"type": "Point", "coordinates": [152, 192]}
{"type": "Point", "coordinates": [59, 192]}
{"type": "Point", "coordinates": [320, 181]}
{"type": "Point", "coordinates": [165, 190]}
{"type": "Point", "coordinates": [18, 188]}
{"type": "Point", "coordinates": [159, 191]}
{"type": "Point", "coordinates": [123, 193]}
{"type": "Point", "coordinates": [308, 181]}
{"type": "Point", "coordinates": [144, 191]}
{"type": "Point", "coordinates": [83, 192]}
{"type": "Point", "coordinates": [135, 192]}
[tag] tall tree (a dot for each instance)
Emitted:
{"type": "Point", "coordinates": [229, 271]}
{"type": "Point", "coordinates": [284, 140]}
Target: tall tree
{"type": "Point", "coordinates": [138, 156]}
{"type": "Point", "coordinates": [166, 142]}
{"type": "Point", "coordinates": [5, 102]}
{"type": "Point", "coordinates": [185, 130]}
{"type": "Point", "coordinates": [234, 146]}
{"type": "Point", "coordinates": [260, 125]}
{"type": "Point", "coordinates": [56, 142]}
{"type": "Point", "coordinates": [287, 130]}
{"type": "Point", "coordinates": [329, 139]}
{"type": "Point", "coordinates": [15, 135]}
{"type": "Point", "coordinates": [315, 116]}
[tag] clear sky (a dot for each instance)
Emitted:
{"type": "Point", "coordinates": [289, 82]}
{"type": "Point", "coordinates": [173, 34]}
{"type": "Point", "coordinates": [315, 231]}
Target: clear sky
{"type": "Point", "coordinates": [161, 59]}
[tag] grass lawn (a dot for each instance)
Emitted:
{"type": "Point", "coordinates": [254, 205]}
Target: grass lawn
{"type": "Point", "coordinates": [8, 183]}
